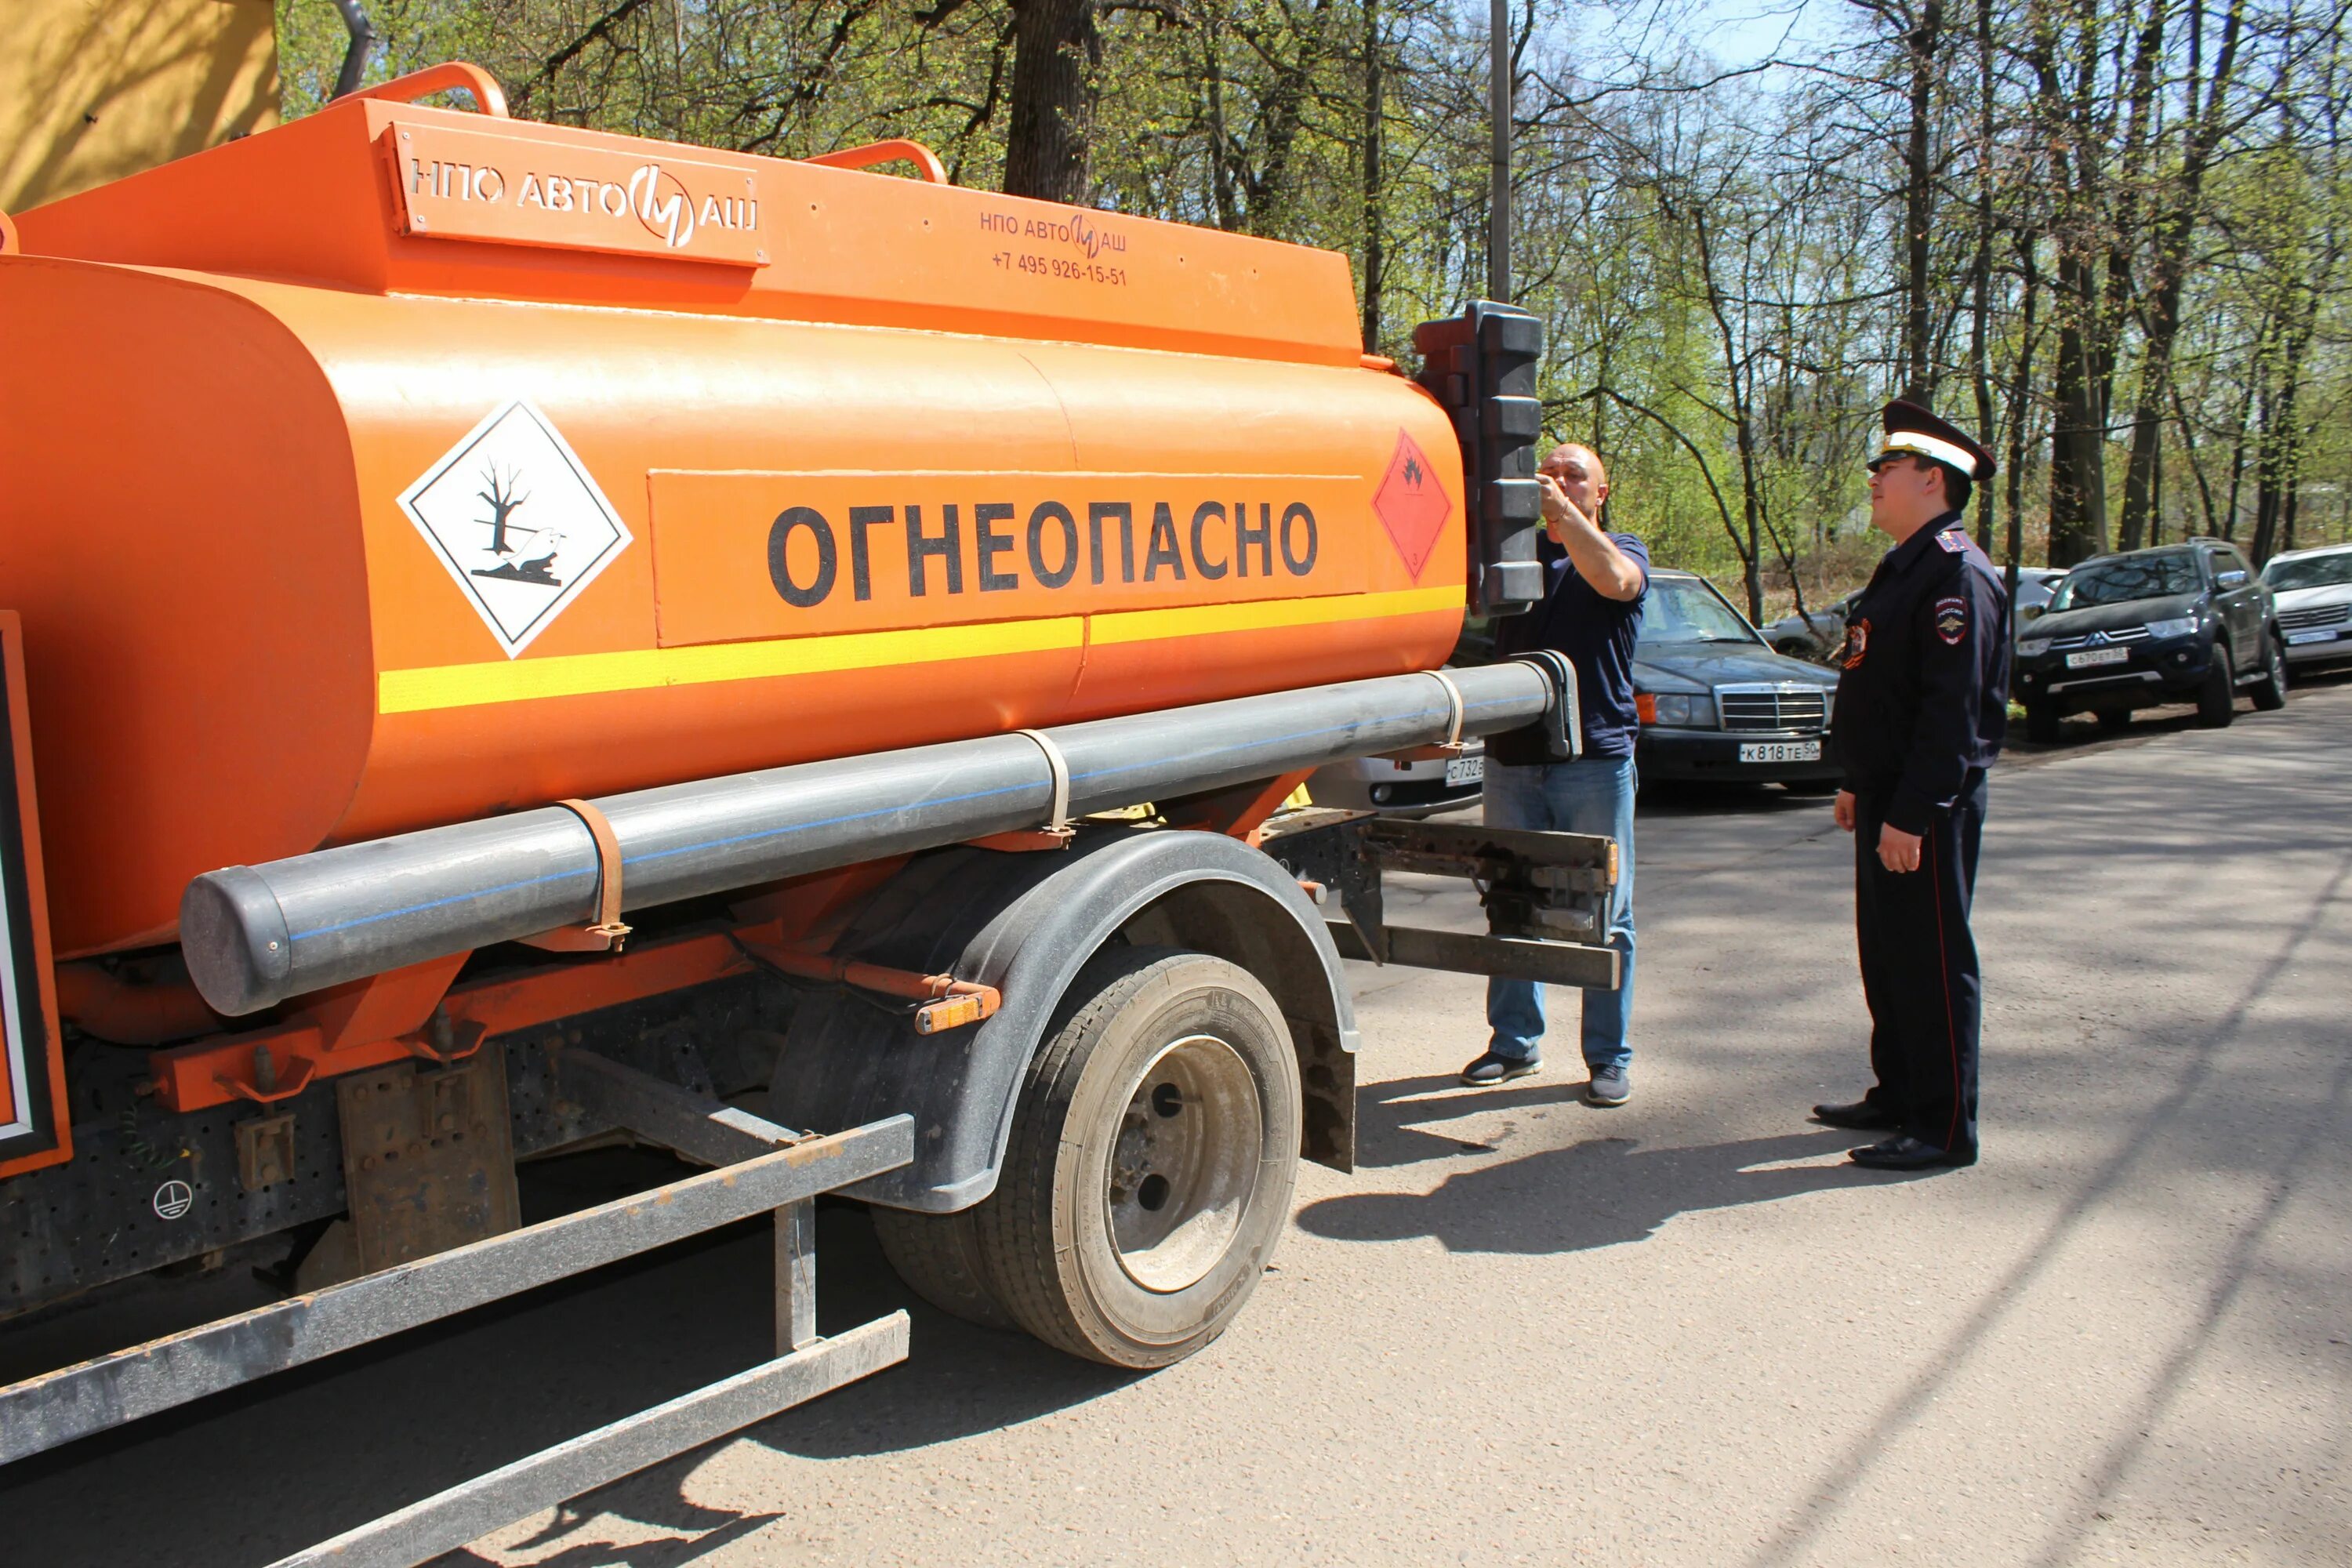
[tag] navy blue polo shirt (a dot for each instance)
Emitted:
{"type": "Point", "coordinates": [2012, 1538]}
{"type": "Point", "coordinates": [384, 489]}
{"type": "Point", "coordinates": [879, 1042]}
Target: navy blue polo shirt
{"type": "Point", "coordinates": [1597, 634]}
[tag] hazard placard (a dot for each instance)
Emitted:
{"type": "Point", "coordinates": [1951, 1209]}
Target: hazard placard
{"type": "Point", "coordinates": [513, 514]}
{"type": "Point", "coordinates": [1412, 504]}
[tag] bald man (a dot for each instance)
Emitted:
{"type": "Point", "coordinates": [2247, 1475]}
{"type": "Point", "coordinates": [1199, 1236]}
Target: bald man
{"type": "Point", "coordinates": [1592, 613]}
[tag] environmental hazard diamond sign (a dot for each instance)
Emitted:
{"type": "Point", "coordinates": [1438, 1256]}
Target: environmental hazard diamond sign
{"type": "Point", "coordinates": [512, 513]}
{"type": "Point", "coordinates": [1412, 505]}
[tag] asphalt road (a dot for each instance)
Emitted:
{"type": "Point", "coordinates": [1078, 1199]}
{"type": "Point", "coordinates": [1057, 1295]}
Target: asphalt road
{"type": "Point", "coordinates": [1680, 1332]}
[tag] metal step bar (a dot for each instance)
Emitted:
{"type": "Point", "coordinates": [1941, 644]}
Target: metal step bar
{"type": "Point", "coordinates": [766, 1169]}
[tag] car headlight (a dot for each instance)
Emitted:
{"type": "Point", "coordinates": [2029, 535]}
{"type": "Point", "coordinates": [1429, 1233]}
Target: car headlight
{"type": "Point", "coordinates": [2033, 648]}
{"type": "Point", "coordinates": [1686, 712]}
{"type": "Point", "coordinates": [2173, 628]}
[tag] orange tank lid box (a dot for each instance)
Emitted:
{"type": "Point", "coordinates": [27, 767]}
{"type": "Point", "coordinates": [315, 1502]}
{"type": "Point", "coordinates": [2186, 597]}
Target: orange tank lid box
{"type": "Point", "coordinates": [378, 194]}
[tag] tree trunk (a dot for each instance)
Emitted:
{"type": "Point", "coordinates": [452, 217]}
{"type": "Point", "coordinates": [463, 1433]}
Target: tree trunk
{"type": "Point", "coordinates": [1918, 192]}
{"type": "Point", "coordinates": [2020, 405]}
{"type": "Point", "coordinates": [2078, 472]}
{"type": "Point", "coordinates": [2144, 478]}
{"type": "Point", "coordinates": [1980, 290]}
{"type": "Point", "coordinates": [1374, 260]}
{"type": "Point", "coordinates": [2078, 480]}
{"type": "Point", "coordinates": [1221, 167]}
{"type": "Point", "coordinates": [1056, 50]}
{"type": "Point", "coordinates": [2278, 471]}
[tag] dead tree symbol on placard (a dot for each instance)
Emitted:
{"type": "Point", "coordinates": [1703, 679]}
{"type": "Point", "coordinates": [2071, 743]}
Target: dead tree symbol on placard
{"type": "Point", "coordinates": [503, 502]}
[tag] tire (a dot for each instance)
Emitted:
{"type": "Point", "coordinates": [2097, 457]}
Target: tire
{"type": "Point", "coordinates": [1154, 1153]}
{"type": "Point", "coordinates": [939, 1256]}
{"type": "Point", "coordinates": [2270, 692]}
{"type": "Point", "coordinates": [2115, 718]}
{"type": "Point", "coordinates": [2217, 697]}
{"type": "Point", "coordinates": [2041, 723]}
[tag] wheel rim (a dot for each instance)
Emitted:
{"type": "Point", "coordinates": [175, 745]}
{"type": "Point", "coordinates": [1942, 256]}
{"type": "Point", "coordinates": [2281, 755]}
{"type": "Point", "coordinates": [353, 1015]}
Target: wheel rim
{"type": "Point", "coordinates": [1185, 1164]}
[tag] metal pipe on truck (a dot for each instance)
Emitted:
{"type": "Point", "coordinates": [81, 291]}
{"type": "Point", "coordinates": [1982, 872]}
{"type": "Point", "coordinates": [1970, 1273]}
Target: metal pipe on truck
{"type": "Point", "coordinates": [255, 936]}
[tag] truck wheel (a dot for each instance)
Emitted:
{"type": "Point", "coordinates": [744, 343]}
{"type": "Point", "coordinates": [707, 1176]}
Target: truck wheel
{"type": "Point", "coordinates": [2270, 692]}
{"type": "Point", "coordinates": [2217, 699]}
{"type": "Point", "coordinates": [939, 1256]}
{"type": "Point", "coordinates": [1153, 1151]}
{"type": "Point", "coordinates": [2042, 723]}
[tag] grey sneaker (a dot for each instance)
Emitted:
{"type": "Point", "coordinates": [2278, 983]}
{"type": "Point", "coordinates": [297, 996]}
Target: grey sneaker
{"type": "Point", "coordinates": [1490, 1069]}
{"type": "Point", "coordinates": [1610, 1086]}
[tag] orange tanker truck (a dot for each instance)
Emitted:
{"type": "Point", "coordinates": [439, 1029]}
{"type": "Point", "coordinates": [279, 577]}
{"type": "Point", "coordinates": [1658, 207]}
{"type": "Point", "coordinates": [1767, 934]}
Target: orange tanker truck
{"type": "Point", "coordinates": [516, 636]}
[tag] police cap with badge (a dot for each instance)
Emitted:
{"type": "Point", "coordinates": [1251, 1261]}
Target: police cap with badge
{"type": "Point", "coordinates": [1913, 432]}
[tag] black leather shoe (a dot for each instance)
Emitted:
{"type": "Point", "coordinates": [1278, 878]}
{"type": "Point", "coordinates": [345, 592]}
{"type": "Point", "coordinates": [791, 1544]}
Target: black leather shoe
{"type": "Point", "coordinates": [1490, 1069]}
{"type": "Point", "coordinates": [1905, 1152]}
{"type": "Point", "coordinates": [1860, 1116]}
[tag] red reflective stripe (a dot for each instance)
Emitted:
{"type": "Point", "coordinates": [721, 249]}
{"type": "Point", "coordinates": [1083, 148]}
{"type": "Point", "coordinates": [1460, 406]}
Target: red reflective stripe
{"type": "Point", "coordinates": [1944, 967]}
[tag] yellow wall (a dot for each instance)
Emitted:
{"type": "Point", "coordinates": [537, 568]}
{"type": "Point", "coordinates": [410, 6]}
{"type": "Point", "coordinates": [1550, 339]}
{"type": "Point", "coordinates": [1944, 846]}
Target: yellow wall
{"type": "Point", "coordinates": [91, 90]}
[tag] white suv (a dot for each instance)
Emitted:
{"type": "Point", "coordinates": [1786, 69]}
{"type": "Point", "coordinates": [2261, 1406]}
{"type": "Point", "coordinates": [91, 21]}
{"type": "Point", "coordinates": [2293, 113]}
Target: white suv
{"type": "Point", "coordinates": [2315, 604]}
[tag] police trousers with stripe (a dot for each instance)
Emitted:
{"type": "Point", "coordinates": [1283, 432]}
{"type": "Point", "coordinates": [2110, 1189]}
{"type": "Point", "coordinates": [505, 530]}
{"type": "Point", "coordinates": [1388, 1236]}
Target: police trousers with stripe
{"type": "Point", "coordinates": [1919, 970]}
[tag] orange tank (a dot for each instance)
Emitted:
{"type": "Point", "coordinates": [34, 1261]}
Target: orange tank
{"type": "Point", "coordinates": [400, 466]}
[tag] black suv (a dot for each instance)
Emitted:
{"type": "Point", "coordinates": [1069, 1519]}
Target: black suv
{"type": "Point", "coordinates": [2181, 623]}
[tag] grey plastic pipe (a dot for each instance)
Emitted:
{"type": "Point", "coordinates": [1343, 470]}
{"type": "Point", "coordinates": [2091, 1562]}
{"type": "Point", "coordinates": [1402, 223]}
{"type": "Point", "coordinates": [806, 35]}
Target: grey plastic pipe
{"type": "Point", "coordinates": [255, 935]}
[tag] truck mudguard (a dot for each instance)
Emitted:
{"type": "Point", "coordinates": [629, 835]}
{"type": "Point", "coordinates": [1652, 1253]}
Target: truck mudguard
{"type": "Point", "coordinates": [1025, 923]}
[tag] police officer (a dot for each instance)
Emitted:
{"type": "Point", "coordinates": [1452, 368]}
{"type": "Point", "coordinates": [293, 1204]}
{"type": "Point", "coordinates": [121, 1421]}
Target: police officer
{"type": "Point", "coordinates": [1922, 704]}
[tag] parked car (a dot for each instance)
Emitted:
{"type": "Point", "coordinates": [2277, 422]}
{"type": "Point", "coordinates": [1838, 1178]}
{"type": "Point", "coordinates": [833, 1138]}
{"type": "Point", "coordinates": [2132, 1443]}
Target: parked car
{"type": "Point", "coordinates": [1819, 634]}
{"type": "Point", "coordinates": [2315, 604]}
{"type": "Point", "coordinates": [2180, 623]}
{"type": "Point", "coordinates": [2036, 587]}
{"type": "Point", "coordinates": [1402, 789]}
{"type": "Point", "coordinates": [1816, 635]}
{"type": "Point", "coordinates": [1716, 702]}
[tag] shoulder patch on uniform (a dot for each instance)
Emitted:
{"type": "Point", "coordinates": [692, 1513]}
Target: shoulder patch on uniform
{"type": "Point", "coordinates": [1952, 619]}
{"type": "Point", "coordinates": [1953, 542]}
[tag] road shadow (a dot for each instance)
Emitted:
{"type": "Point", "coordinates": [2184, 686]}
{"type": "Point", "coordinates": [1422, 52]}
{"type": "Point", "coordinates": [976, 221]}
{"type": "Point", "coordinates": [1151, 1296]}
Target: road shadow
{"type": "Point", "coordinates": [665, 1552]}
{"type": "Point", "coordinates": [1384, 1138]}
{"type": "Point", "coordinates": [1598, 1192]}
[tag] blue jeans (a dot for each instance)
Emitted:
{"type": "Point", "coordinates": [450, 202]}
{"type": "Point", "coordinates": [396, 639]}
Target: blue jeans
{"type": "Point", "coordinates": [1592, 795]}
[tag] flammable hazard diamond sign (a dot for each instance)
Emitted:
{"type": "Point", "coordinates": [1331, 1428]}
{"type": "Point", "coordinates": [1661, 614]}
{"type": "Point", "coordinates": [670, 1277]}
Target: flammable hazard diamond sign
{"type": "Point", "coordinates": [1412, 505]}
{"type": "Point", "coordinates": [514, 516]}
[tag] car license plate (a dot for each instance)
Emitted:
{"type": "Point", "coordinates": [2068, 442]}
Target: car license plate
{"type": "Point", "coordinates": [1461, 771]}
{"type": "Point", "coordinates": [1779, 751]}
{"type": "Point", "coordinates": [2093, 656]}
{"type": "Point", "coordinates": [2313, 637]}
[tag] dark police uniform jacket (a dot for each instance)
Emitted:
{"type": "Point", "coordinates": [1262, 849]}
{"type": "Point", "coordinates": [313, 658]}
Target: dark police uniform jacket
{"type": "Point", "coordinates": [1923, 696]}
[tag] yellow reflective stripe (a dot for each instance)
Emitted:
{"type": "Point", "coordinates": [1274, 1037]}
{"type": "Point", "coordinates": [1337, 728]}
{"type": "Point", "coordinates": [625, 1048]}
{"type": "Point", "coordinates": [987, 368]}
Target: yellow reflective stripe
{"type": "Point", "coordinates": [573, 675]}
{"type": "Point", "coordinates": [1194, 620]}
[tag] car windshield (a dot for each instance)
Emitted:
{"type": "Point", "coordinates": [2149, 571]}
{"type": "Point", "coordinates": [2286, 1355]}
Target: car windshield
{"type": "Point", "coordinates": [2311, 572]}
{"type": "Point", "coordinates": [1682, 609]}
{"type": "Point", "coordinates": [2131, 577]}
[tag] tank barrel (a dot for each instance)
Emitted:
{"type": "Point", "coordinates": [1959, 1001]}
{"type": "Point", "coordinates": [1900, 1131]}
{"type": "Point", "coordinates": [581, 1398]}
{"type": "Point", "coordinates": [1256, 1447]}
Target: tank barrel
{"type": "Point", "coordinates": [255, 935]}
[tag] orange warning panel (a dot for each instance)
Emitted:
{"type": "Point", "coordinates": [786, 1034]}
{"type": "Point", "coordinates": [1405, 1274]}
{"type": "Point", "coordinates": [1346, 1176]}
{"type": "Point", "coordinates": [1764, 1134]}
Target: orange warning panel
{"type": "Point", "coordinates": [33, 1122]}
